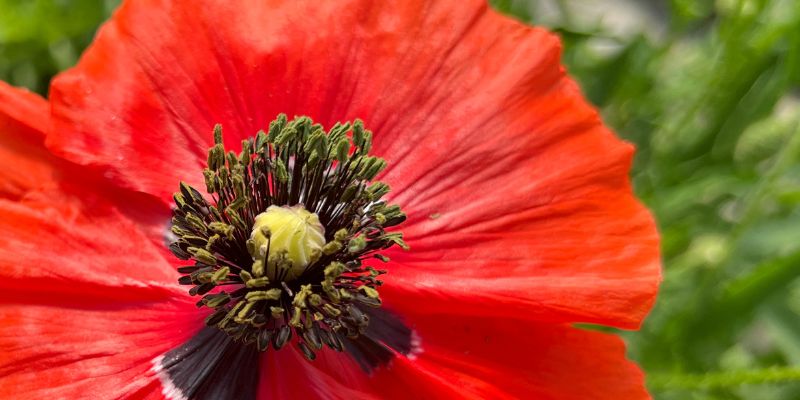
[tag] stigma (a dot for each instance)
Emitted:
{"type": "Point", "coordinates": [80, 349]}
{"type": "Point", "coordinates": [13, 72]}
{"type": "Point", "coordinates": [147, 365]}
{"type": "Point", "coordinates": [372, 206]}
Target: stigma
{"type": "Point", "coordinates": [287, 233]}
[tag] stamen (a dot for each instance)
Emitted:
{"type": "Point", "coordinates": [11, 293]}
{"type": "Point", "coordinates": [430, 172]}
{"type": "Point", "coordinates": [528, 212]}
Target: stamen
{"type": "Point", "coordinates": [279, 245]}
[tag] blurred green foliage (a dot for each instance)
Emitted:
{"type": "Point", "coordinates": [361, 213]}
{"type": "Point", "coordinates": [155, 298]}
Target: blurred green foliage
{"type": "Point", "coordinates": [38, 38]}
{"type": "Point", "coordinates": [708, 91]}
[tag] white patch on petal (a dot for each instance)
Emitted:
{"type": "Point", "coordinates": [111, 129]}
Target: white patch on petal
{"type": "Point", "coordinates": [416, 346]}
{"type": "Point", "coordinates": [170, 391]}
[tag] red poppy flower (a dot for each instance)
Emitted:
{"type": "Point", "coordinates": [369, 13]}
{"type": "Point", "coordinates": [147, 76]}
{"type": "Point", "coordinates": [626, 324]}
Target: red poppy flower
{"type": "Point", "coordinates": [518, 210]}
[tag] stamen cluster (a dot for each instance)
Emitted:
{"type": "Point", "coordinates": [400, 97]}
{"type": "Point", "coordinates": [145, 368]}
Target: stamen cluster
{"type": "Point", "coordinates": [253, 297]}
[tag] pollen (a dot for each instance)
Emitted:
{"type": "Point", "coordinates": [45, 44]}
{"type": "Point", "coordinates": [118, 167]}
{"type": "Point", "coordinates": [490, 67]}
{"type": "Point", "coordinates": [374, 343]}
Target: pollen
{"type": "Point", "coordinates": [283, 245]}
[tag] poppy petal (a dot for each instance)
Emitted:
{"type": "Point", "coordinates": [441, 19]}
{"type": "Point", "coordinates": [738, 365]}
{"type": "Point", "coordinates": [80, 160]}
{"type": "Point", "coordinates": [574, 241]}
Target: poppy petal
{"type": "Point", "coordinates": [24, 162]}
{"type": "Point", "coordinates": [504, 358]}
{"type": "Point", "coordinates": [287, 374]}
{"type": "Point", "coordinates": [142, 102]}
{"type": "Point", "coordinates": [101, 351]}
{"type": "Point", "coordinates": [64, 246]}
{"type": "Point", "coordinates": [475, 358]}
{"type": "Point", "coordinates": [555, 236]}
{"type": "Point", "coordinates": [522, 208]}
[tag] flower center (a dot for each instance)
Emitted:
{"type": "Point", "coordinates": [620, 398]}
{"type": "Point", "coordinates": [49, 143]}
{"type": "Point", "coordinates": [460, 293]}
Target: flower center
{"type": "Point", "coordinates": [281, 244]}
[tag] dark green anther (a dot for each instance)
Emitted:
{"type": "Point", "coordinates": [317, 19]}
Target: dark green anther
{"type": "Point", "coordinates": [246, 276]}
{"type": "Point", "coordinates": [261, 140]}
{"type": "Point", "coordinates": [392, 211]}
{"type": "Point", "coordinates": [341, 235]}
{"type": "Point", "coordinates": [378, 190]}
{"type": "Point", "coordinates": [356, 244]}
{"type": "Point", "coordinates": [234, 217]}
{"type": "Point", "coordinates": [275, 127]}
{"type": "Point", "coordinates": [264, 337]}
{"type": "Point", "coordinates": [367, 146]}
{"type": "Point", "coordinates": [238, 203]}
{"type": "Point", "coordinates": [188, 269]}
{"type": "Point", "coordinates": [215, 212]}
{"type": "Point", "coordinates": [369, 301]}
{"type": "Point", "coordinates": [332, 247]}
{"type": "Point", "coordinates": [257, 282]}
{"type": "Point", "coordinates": [178, 231]}
{"type": "Point", "coordinates": [311, 143]}
{"type": "Point", "coordinates": [358, 133]}
{"type": "Point", "coordinates": [287, 134]}
{"type": "Point", "coordinates": [179, 200]}
{"type": "Point", "coordinates": [396, 238]}
{"type": "Point", "coordinates": [216, 317]}
{"type": "Point", "coordinates": [312, 338]}
{"type": "Point", "coordinates": [196, 222]}
{"type": "Point", "coordinates": [280, 171]}
{"type": "Point", "coordinates": [244, 156]}
{"type": "Point", "coordinates": [208, 176]}
{"type": "Point", "coordinates": [233, 160]}
{"type": "Point", "coordinates": [343, 150]}
{"type": "Point", "coordinates": [222, 229]}
{"type": "Point", "coordinates": [312, 162]}
{"type": "Point", "coordinates": [203, 256]}
{"type": "Point", "coordinates": [216, 300]}
{"type": "Point", "coordinates": [302, 124]}
{"type": "Point", "coordinates": [283, 336]}
{"type": "Point", "coordinates": [277, 312]}
{"type": "Point", "coordinates": [373, 168]}
{"type": "Point", "coordinates": [321, 146]}
{"type": "Point", "coordinates": [211, 240]}
{"type": "Point", "coordinates": [220, 274]}
{"type": "Point", "coordinates": [370, 292]}
{"type": "Point", "coordinates": [350, 193]}
{"type": "Point", "coordinates": [219, 157]}
{"type": "Point", "coordinates": [218, 134]}
{"type": "Point", "coordinates": [337, 132]}
{"type": "Point", "coordinates": [202, 289]}
{"type": "Point", "coordinates": [224, 177]}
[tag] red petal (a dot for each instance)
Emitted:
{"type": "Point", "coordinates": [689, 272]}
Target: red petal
{"type": "Point", "coordinates": [77, 276]}
{"type": "Point", "coordinates": [143, 100]}
{"type": "Point", "coordinates": [287, 374]}
{"type": "Point", "coordinates": [86, 300]}
{"type": "Point", "coordinates": [62, 248]}
{"type": "Point", "coordinates": [28, 170]}
{"type": "Point", "coordinates": [519, 200]}
{"type": "Point", "coordinates": [335, 376]}
{"type": "Point", "coordinates": [473, 358]}
{"type": "Point", "coordinates": [74, 352]}
{"type": "Point", "coordinates": [24, 162]}
{"type": "Point", "coordinates": [504, 358]}
{"type": "Point", "coordinates": [556, 236]}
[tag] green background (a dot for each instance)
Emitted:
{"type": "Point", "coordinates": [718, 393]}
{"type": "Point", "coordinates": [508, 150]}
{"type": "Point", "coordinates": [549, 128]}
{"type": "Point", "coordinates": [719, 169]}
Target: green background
{"type": "Point", "coordinates": [708, 92]}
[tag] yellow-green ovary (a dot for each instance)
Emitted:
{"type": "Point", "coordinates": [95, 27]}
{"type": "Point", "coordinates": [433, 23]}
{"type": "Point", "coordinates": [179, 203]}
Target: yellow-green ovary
{"type": "Point", "coordinates": [292, 231]}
